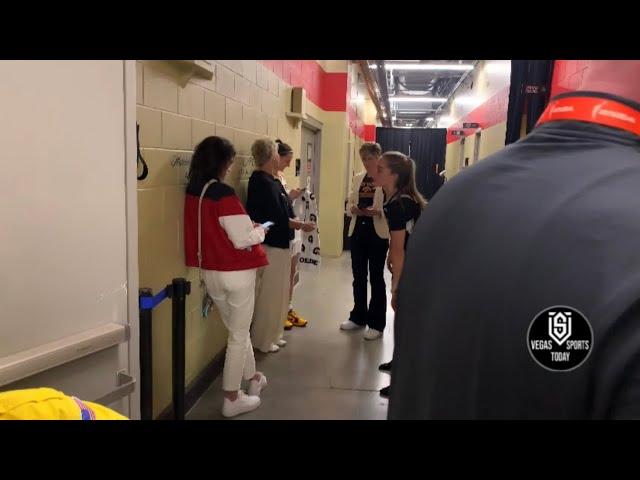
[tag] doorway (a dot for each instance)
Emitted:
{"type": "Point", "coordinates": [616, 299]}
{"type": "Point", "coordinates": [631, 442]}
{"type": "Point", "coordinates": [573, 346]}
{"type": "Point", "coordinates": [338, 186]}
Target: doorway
{"type": "Point", "coordinates": [310, 157]}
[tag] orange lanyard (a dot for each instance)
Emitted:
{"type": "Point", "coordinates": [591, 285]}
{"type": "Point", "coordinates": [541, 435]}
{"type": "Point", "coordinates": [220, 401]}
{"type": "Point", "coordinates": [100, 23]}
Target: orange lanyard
{"type": "Point", "coordinates": [593, 110]}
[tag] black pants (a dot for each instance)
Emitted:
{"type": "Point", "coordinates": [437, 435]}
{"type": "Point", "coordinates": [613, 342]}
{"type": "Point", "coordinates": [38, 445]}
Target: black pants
{"type": "Point", "coordinates": [368, 252]}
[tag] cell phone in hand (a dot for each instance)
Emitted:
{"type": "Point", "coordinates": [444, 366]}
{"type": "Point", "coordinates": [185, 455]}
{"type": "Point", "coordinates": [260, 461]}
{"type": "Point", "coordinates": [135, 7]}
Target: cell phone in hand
{"type": "Point", "coordinates": [267, 225]}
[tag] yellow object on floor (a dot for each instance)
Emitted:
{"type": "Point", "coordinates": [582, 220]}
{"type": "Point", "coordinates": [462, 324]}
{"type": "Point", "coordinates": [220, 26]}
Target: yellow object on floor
{"type": "Point", "coordinates": [296, 319]}
{"type": "Point", "coordinates": [50, 404]}
{"type": "Point", "coordinates": [287, 324]}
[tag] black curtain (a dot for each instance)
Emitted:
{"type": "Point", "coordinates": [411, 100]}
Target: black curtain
{"type": "Point", "coordinates": [426, 146]}
{"type": "Point", "coordinates": [530, 86]}
{"type": "Point", "coordinates": [394, 139]}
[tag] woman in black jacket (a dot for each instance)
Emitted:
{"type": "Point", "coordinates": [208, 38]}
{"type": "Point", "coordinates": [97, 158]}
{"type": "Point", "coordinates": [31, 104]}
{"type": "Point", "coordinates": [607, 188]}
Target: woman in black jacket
{"type": "Point", "coordinates": [267, 201]}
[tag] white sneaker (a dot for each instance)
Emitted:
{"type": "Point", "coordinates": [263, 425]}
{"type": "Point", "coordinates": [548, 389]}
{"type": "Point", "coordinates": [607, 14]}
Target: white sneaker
{"type": "Point", "coordinates": [372, 334]}
{"type": "Point", "coordinates": [255, 387]}
{"type": "Point", "coordinates": [282, 342]}
{"type": "Point", "coordinates": [272, 349]}
{"type": "Point", "coordinates": [349, 325]}
{"type": "Point", "coordinates": [243, 404]}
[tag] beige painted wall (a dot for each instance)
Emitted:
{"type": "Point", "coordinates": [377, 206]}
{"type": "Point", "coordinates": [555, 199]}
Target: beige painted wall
{"type": "Point", "coordinates": [489, 78]}
{"type": "Point", "coordinates": [491, 140]}
{"type": "Point", "coordinates": [244, 101]}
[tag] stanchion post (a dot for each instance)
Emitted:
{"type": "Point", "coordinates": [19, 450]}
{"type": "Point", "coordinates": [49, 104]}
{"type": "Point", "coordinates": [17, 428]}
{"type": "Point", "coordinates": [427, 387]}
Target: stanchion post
{"type": "Point", "coordinates": [146, 359]}
{"type": "Point", "coordinates": [179, 289]}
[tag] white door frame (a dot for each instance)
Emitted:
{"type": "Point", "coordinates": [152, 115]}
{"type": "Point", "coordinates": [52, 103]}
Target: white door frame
{"type": "Point", "coordinates": [131, 179]}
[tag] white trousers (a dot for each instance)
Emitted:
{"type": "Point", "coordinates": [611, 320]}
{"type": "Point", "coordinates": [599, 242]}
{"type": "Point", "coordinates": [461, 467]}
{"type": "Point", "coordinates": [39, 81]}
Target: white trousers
{"type": "Point", "coordinates": [234, 295]}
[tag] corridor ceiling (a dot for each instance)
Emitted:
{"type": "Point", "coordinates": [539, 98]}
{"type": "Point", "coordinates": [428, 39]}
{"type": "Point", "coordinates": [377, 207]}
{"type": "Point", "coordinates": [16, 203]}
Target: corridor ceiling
{"type": "Point", "coordinates": [411, 93]}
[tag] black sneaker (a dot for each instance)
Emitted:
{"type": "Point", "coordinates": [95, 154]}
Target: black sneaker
{"type": "Point", "coordinates": [385, 392]}
{"type": "Point", "coordinates": [385, 367]}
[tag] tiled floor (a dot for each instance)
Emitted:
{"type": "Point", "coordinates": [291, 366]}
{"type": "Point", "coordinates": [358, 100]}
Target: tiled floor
{"type": "Point", "coordinates": [322, 373]}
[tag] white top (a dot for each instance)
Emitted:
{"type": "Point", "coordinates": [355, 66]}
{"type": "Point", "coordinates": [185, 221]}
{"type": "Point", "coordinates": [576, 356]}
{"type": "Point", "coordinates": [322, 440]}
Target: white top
{"type": "Point", "coordinates": [297, 239]}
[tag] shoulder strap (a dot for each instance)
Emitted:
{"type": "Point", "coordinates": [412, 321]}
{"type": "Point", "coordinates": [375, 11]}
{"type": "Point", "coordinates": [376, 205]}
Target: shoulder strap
{"type": "Point", "coordinates": [204, 190]}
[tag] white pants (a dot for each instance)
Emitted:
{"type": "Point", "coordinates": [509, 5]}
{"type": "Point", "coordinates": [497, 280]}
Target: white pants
{"type": "Point", "coordinates": [234, 295]}
{"type": "Point", "coordinates": [272, 301]}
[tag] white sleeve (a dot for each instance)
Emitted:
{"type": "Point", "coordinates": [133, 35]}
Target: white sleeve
{"type": "Point", "coordinates": [352, 202]}
{"type": "Point", "coordinates": [241, 232]}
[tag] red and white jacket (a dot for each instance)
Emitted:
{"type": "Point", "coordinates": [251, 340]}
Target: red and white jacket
{"type": "Point", "coordinates": [230, 242]}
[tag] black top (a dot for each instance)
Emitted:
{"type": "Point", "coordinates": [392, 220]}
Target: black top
{"type": "Point", "coordinates": [366, 193]}
{"type": "Point", "coordinates": [267, 201]}
{"type": "Point", "coordinates": [402, 213]}
{"type": "Point", "coordinates": [216, 190]}
{"type": "Point", "coordinates": [365, 200]}
{"type": "Point", "coordinates": [550, 220]}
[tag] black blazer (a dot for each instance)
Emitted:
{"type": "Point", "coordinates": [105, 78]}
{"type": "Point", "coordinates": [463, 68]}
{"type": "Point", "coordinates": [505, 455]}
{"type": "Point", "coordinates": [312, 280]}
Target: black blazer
{"type": "Point", "coordinates": [267, 201]}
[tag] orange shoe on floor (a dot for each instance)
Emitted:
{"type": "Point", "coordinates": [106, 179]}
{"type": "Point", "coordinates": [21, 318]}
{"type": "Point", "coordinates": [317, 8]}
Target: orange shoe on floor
{"type": "Point", "coordinates": [288, 325]}
{"type": "Point", "coordinates": [296, 319]}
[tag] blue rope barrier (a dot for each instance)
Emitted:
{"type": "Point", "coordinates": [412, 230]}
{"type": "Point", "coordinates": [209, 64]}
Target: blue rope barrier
{"type": "Point", "coordinates": [149, 303]}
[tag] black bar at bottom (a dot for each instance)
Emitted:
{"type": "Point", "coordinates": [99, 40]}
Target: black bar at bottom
{"type": "Point", "coordinates": [146, 360]}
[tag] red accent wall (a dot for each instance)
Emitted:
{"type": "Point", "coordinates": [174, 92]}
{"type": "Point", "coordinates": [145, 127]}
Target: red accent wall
{"type": "Point", "coordinates": [369, 133]}
{"type": "Point", "coordinates": [333, 92]}
{"type": "Point", "coordinates": [490, 113]}
{"type": "Point", "coordinates": [328, 90]}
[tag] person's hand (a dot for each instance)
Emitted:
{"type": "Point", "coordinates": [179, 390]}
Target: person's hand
{"type": "Point", "coordinates": [394, 300]}
{"type": "Point", "coordinates": [308, 227]}
{"type": "Point", "coordinates": [355, 210]}
{"type": "Point", "coordinates": [294, 194]}
{"type": "Point", "coordinates": [372, 212]}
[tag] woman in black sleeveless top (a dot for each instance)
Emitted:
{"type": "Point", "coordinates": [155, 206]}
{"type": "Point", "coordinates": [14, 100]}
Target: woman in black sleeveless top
{"type": "Point", "coordinates": [402, 208]}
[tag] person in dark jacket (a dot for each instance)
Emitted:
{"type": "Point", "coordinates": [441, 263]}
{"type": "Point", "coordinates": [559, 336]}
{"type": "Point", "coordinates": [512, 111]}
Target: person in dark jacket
{"type": "Point", "coordinates": [551, 222]}
{"type": "Point", "coordinates": [267, 201]}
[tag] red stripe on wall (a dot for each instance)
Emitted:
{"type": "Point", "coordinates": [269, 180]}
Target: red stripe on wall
{"type": "Point", "coordinates": [334, 91]}
{"type": "Point", "coordinates": [490, 113]}
{"type": "Point", "coordinates": [328, 90]}
{"type": "Point", "coordinates": [369, 133]}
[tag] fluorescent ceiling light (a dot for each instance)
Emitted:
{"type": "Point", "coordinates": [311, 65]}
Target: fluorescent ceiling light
{"type": "Point", "coordinates": [429, 66]}
{"type": "Point", "coordinates": [498, 66]}
{"type": "Point", "coordinates": [469, 100]}
{"type": "Point", "coordinates": [445, 121]}
{"type": "Point", "coordinates": [417, 99]}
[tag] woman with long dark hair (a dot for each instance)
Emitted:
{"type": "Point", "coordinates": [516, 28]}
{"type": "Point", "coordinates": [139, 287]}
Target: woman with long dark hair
{"type": "Point", "coordinates": [222, 241]}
